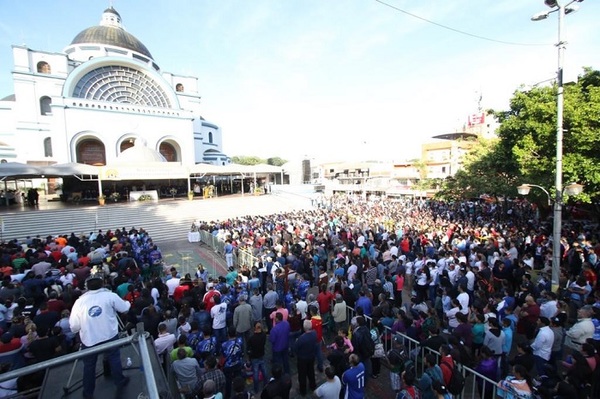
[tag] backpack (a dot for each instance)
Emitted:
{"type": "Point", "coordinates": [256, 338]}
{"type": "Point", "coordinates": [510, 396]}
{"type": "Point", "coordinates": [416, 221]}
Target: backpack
{"type": "Point", "coordinates": [366, 341]}
{"type": "Point", "coordinates": [457, 380]}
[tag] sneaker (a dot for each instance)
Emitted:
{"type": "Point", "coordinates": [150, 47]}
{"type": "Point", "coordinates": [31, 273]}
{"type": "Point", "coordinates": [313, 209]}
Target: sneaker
{"type": "Point", "coordinates": [446, 331]}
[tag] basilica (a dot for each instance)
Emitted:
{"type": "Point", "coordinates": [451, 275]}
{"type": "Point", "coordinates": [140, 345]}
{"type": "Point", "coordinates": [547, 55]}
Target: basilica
{"type": "Point", "coordinates": [100, 96]}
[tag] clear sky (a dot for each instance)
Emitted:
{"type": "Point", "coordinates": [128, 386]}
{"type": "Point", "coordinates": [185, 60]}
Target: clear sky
{"type": "Point", "coordinates": [329, 79]}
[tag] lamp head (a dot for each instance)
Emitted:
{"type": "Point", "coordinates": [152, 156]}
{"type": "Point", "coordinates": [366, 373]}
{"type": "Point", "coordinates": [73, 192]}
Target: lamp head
{"type": "Point", "coordinates": [540, 16]}
{"type": "Point", "coordinates": [551, 3]}
{"type": "Point", "coordinates": [523, 189]}
{"type": "Point", "coordinates": [574, 189]}
{"type": "Point", "coordinates": [571, 9]}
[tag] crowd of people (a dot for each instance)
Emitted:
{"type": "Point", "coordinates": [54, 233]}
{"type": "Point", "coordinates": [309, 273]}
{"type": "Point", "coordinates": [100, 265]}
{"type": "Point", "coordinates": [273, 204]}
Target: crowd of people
{"type": "Point", "coordinates": [342, 290]}
{"type": "Point", "coordinates": [469, 278]}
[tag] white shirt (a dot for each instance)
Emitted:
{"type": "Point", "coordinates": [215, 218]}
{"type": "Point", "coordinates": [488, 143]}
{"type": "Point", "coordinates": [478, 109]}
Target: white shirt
{"type": "Point", "coordinates": [352, 271]}
{"type": "Point", "coordinates": [164, 343]}
{"type": "Point", "coordinates": [360, 241]}
{"type": "Point", "coordinates": [302, 307]}
{"type": "Point", "coordinates": [542, 345]}
{"type": "Point", "coordinates": [463, 298]}
{"type": "Point", "coordinates": [579, 333]}
{"type": "Point", "coordinates": [171, 284]}
{"type": "Point", "coordinates": [94, 316]}
{"type": "Point", "coordinates": [451, 315]}
{"type": "Point", "coordinates": [219, 315]}
{"type": "Point", "coordinates": [548, 309]}
{"type": "Point", "coordinates": [470, 280]}
{"type": "Point", "coordinates": [330, 389]}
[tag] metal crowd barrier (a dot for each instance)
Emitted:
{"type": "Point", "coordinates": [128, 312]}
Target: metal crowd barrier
{"type": "Point", "coordinates": [241, 257]}
{"type": "Point", "coordinates": [471, 376]}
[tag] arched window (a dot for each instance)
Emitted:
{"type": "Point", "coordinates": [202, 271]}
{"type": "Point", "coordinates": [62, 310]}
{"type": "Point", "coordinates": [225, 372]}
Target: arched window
{"type": "Point", "coordinates": [126, 144]}
{"type": "Point", "coordinates": [178, 87]}
{"type": "Point", "coordinates": [43, 67]}
{"type": "Point", "coordinates": [91, 151]}
{"type": "Point", "coordinates": [45, 105]}
{"type": "Point", "coordinates": [168, 151]}
{"type": "Point", "coordinates": [48, 147]}
{"type": "Point", "coordinates": [210, 137]}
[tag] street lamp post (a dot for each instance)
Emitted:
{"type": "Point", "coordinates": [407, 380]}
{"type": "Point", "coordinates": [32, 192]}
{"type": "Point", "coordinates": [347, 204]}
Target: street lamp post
{"type": "Point", "coordinates": [562, 10]}
{"type": "Point", "coordinates": [571, 189]}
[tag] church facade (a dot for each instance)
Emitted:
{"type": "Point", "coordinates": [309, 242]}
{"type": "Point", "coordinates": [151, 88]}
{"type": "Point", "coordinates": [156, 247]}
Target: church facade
{"type": "Point", "coordinates": [97, 98]}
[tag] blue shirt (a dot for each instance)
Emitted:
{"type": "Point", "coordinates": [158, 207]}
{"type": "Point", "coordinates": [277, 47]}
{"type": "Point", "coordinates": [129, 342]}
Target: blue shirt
{"type": "Point", "coordinates": [354, 379]}
{"type": "Point", "coordinates": [508, 338]}
{"type": "Point", "coordinates": [279, 336]}
{"type": "Point", "coordinates": [232, 350]}
{"type": "Point", "coordinates": [365, 304]}
{"type": "Point", "coordinates": [206, 347]}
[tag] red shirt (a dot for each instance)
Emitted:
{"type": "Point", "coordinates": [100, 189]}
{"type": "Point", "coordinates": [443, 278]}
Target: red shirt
{"type": "Point", "coordinates": [324, 299]}
{"type": "Point", "coordinates": [208, 299]}
{"type": "Point", "coordinates": [14, 343]}
{"type": "Point", "coordinates": [179, 290]}
{"type": "Point", "coordinates": [317, 325]}
{"type": "Point", "coordinates": [399, 282]}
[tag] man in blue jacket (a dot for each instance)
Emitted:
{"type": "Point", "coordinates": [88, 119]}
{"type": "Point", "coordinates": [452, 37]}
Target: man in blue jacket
{"type": "Point", "coordinates": [279, 338]}
{"type": "Point", "coordinates": [306, 349]}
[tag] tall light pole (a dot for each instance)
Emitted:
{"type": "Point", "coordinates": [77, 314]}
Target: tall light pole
{"type": "Point", "coordinates": [562, 10]}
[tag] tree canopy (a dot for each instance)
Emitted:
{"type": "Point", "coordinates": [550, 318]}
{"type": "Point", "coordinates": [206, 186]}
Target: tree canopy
{"type": "Point", "coordinates": [525, 150]}
{"type": "Point", "coordinates": [253, 160]}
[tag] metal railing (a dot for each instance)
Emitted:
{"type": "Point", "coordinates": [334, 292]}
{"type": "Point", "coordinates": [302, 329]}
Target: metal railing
{"type": "Point", "coordinates": [241, 257]}
{"type": "Point", "coordinates": [139, 337]}
{"type": "Point", "coordinates": [472, 377]}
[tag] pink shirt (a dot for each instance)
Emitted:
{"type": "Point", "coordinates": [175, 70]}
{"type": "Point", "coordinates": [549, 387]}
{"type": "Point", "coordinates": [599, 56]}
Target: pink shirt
{"type": "Point", "coordinates": [283, 311]}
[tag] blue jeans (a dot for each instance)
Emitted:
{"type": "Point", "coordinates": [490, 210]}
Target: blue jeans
{"type": "Point", "coordinates": [283, 359]}
{"type": "Point", "coordinates": [89, 369]}
{"type": "Point", "coordinates": [258, 365]}
{"type": "Point", "coordinates": [221, 336]}
{"type": "Point", "coordinates": [319, 357]}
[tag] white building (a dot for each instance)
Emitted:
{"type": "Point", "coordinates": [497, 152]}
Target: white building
{"type": "Point", "coordinates": [98, 96]}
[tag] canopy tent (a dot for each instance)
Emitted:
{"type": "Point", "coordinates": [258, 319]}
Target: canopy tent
{"type": "Point", "coordinates": [72, 169]}
{"type": "Point", "coordinates": [235, 169]}
{"type": "Point", "coordinates": [16, 170]}
{"type": "Point", "coordinates": [81, 171]}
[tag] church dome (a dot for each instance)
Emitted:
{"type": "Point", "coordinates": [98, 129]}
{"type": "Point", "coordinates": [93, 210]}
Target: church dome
{"type": "Point", "coordinates": [111, 32]}
{"type": "Point", "coordinates": [140, 153]}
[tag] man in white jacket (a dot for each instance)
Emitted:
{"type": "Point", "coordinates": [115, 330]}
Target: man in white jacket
{"type": "Point", "coordinates": [582, 330]}
{"type": "Point", "coordinates": [94, 316]}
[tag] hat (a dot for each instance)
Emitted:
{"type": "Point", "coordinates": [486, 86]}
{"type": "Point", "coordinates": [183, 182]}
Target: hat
{"type": "Point", "coordinates": [230, 268]}
{"type": "Point", "coordinates": [210, 285]}
{"type": "Point", "coordinates": [398, 339]}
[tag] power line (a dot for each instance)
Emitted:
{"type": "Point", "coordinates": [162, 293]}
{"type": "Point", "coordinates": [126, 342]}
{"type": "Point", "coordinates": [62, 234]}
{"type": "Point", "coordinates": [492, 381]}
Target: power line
{"type": "Point", "coordinates": [458, 30]}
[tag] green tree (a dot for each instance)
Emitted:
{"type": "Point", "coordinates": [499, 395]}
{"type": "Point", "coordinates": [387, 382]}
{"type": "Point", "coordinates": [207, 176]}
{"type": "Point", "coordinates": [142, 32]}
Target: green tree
{"type": "Point", "coordinates": [488, 168]}
{"type": "Point", "coordinates": [276, 161]}
{"type": "Point", "coordinates": [247, 160]}
{"type": "Point", "coordinates": [525, 151]}
{"type": "Point", "coordinates": [528, 130]}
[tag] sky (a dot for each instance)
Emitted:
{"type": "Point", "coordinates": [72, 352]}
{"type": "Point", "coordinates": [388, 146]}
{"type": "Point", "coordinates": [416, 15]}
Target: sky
{"type": "Point", "coordinates": [330, 80]}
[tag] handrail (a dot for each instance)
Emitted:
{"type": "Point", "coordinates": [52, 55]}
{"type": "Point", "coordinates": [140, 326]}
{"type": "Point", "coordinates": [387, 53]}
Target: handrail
{"type": "Point", "coordinates": [414, 344]}
{"type": "Point", "coordinates": [57, 361]}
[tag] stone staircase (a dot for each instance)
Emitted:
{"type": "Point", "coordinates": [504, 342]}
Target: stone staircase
{"type": "Point", "coordinates": [166, 220]}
